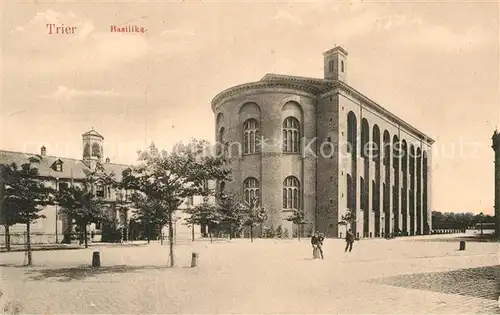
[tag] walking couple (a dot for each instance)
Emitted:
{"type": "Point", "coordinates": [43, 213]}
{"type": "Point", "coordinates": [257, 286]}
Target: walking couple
{"type": "Point", "coordinates": [317, 244]}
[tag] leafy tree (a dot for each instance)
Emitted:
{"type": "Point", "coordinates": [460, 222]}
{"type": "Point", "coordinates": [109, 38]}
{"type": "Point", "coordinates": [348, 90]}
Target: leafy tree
{"type": "Point", "coordinates": [348, 218]}
{"type": "Point", "coordinates": [254, 214]}
{"type": "Point", "coordinates": [204, 214]}
{"type": "Point", "coordinates": [9, 213]}
{"type": "Point", "coordinates": [168, 178]}
{"type": "Point", "coordinates": [299, 218]}
{"type": "Point", "coordinates": [80, 205]}
{"type": "Point", "coordinates": [25, 196]}
{"type": "Point", "coordinates": [232, 212]}
{"type": "Point", "coordinates": [150, 213]}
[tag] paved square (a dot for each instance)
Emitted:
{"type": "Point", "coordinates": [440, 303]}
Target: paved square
{"type": "Point", "coordinates": [267, 276]}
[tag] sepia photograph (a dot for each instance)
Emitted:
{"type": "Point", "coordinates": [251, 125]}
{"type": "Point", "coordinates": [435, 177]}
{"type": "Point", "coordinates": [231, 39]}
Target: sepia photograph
{"type": "Point", "coordinates": [250, 157]}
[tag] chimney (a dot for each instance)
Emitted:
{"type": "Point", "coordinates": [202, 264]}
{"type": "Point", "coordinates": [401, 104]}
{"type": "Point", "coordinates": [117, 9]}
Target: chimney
{"type": "Point", "coordinates": [43, 151]}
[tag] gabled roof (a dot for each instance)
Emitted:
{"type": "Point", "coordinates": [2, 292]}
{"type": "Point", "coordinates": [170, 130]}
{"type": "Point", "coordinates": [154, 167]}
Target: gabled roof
{"type": "Point", "coordinates": [73, 168]}
{"type": "Point", "coordinates": [93, 133]}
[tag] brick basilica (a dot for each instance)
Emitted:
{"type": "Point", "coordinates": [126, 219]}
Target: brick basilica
{"type": "Point", "coordinates": [301, 143]}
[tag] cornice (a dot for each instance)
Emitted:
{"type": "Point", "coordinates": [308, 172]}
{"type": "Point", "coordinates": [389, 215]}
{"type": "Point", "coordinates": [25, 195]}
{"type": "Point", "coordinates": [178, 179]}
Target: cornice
{"type": "Point", "coordinates": [339, 86]}
{"type": "Point", "coordinates": [266, 86]}
{"type": "Point", "coordinates": [317, 89]}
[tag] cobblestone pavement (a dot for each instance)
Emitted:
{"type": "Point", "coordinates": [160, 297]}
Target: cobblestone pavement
{"type": "Point", "coordinates": [481, 282]}
{"type": "Point", "coordinates": [379, 276]}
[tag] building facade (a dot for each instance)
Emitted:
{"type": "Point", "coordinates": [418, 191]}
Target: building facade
{"type": "Point", "coordinates": [496, 148]}
{"type": "Point", "coordinates": [322, 147]}
{"type": "Point", "coordinates": [60, 173]}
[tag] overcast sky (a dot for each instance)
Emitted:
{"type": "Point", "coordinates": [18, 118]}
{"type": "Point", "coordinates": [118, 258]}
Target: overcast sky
{"type": "Point", "coordinates": [436, 65]}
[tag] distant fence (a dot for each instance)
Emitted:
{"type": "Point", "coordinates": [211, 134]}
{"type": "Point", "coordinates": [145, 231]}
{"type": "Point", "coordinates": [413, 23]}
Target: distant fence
{"type": "Point", "coordinates": [36, 238]}
{"type": "Point", "coordinates": [447, 231]}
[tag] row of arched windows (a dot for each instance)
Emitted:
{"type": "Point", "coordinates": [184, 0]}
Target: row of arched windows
{"type": "Point", "coordinates": [252, 139]}
{"type": "Point", "coordinates": [291, 192]}
{"type": "Point", "coordinates": [374, 148]}
{"type": "Point", "coordinates": [396, 155]}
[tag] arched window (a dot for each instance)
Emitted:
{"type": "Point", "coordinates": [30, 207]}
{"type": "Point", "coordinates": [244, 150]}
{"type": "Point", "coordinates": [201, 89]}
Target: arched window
{"type": "Point", "coordinates": [342, 65]}
{"type": "Point", "coordinates": [387, 149]}
{"type": "Point", "coordinates": [220, 140]}
{"type": "Point", "coordinates": [251, 189]}
{"type": "Point", "coordinates": [96, 150]}
{"type": "Point", "coordinates": [86, 149]}
{"type": "Point", "coordinates": [351, 133]}
{"type": "Point", "coordinates": [376, 144]}
{"type": "Point", "coordinates": [330, 65]}
{"type": "Point", "coordinates": [396, 152]}
{"type": "Point", "coordinates": [365, 139]}
{"type": "Point", "coordinates": [291, 193]}
{"type": "Point", "coordinates": [251, 141]}
{"type": "Point", "coordinates": [291, 135]}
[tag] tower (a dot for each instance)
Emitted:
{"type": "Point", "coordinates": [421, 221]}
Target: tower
{"type": "Point", "coordinates": [92, 148]}
{"type": "Point", "coordinates": [335, 64]}
{"type": "Point", "coordinates": [496, 148]}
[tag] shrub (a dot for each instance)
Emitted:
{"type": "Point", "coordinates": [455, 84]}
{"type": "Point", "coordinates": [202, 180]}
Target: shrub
{"type": "Point", "coordinates": [279, 232]}
{"type": "Point", "coordinates": [285, 233]}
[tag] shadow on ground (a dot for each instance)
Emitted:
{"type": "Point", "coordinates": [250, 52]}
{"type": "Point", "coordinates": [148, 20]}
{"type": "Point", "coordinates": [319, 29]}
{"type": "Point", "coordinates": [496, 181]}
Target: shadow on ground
{"type": "Point", "coordinates": [482, 282]}
{"type": "Point", "coordinates": [83, 272]}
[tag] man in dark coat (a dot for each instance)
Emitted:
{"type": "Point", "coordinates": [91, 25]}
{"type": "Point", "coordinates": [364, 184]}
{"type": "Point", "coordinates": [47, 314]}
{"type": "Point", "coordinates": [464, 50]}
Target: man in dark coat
{"type": "Point", "coordinates": [349, 239]}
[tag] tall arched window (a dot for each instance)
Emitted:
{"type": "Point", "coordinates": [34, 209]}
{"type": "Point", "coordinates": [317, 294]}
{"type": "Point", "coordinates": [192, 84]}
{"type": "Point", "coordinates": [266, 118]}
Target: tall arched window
{"type": "Point", "coordinates": [220, 140]}
{"type": "Point", "coordinates": [96, 150]}
{"type": "Point", "coordinates": [351, 133]}
{"type": "Point", "coordinates": [251, 141]}
{"type": "Point", "coordinates": [291, 135]}
{"type": "Point", "coordinates": [291, 193]}
{"type": "Point", "coordinates": [365, 139]}
{"type": "Point", "coordinates": [330, 65]}
{"type": "Point", "coordinates": [251, 189]}
{"type": "Point", "coordinates": [387, 149]}
{"type": "Point", "coordinates": [86, 149]}
{"type": "Point", "coordinates": [376, 145]}
{"type": "Point", "coordinates": [342, 65]}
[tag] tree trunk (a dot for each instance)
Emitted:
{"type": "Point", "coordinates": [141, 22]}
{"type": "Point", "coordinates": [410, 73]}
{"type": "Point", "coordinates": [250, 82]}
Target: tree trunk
{"type": "Point", "coordinates": [251, 233]}
{"type": "Point", "coordinates": [298, 231]}
{"type": "Point", "coordinates": [80, 241]}
{"type": "Point", "coordinates": [85, 231]}
{"type": "Point", "coordinates": [171, 240]}
{"type": "Point", "coordinates": [211, 241]}
{"type": "Point", "coordinates": [230, 231]}
{"type": "Point", "coordinates": [192, 232]}
{"type": "Point", "coordinates": [7, 237]}
{"type": "Point", "coordinates": [28, 241]}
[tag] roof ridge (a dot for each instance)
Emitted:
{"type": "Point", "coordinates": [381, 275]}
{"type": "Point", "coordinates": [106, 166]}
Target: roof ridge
{"type": "Point", "coordinates": [57, 157]}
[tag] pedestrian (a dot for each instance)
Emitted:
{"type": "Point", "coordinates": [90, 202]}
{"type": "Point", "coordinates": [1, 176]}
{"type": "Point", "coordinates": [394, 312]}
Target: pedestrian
{"type": "Point", "coordinates": [317, 244]}
{"type": "Point", "coordinates": [349, 239]}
